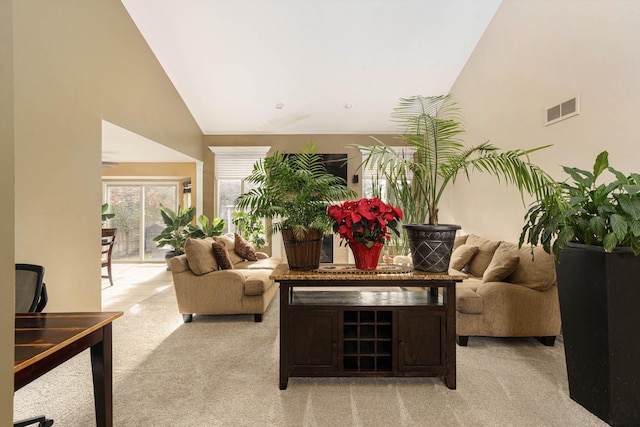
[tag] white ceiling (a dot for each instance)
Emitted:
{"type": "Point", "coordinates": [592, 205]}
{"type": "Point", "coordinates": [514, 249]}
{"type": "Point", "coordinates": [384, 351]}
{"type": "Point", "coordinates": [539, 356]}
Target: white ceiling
{"type": "Point", "coordinates": [122, 145]}
{"type": "Point", "coordinates": [233, 61]}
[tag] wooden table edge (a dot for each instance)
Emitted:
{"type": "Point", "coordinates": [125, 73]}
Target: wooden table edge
{"type": "Point", "coordinates": [112, 315]}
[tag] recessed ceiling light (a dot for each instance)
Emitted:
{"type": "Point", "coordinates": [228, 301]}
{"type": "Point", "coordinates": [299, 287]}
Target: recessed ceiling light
{"type": "Point", "coordinates": [348, 106]}
{"type": "Point", "coordinates": [279, 105]}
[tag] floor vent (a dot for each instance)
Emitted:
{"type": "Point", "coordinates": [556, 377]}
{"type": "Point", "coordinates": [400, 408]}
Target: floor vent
{"type": "Point", "coordinates": [564, 110]}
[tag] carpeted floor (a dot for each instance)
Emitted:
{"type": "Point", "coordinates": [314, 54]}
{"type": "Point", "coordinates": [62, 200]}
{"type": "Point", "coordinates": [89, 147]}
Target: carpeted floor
{"type": "Point", "coordinates": [223, 371]}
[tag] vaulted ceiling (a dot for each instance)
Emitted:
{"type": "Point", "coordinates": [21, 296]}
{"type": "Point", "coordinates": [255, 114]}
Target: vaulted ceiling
{"type": "Point", "coordinates": [308, 66]}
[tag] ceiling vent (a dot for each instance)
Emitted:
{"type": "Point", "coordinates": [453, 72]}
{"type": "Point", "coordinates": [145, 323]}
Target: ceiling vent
{"type": "Point", "coordinates": [564, 110]}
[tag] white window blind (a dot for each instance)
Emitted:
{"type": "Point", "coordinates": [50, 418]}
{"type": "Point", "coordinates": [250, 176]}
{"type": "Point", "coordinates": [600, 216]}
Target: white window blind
{"type": "Point", "coordinates": [236, 162]}
{"type": "Point", "coordinates": [370, 171]}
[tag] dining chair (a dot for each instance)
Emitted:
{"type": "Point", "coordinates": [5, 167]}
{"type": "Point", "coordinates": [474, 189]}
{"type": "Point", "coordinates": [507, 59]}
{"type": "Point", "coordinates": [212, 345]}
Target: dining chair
{"type": "Point", "coordinates": [108, 240]}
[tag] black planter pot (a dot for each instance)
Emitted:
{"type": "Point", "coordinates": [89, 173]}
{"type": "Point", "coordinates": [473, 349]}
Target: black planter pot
{"type": "Point", "coordinates": [431, 245]}
{"type": "Point", "coordinates": [599, 296]}
{"type": "Point", "coordinates": [167, 258]}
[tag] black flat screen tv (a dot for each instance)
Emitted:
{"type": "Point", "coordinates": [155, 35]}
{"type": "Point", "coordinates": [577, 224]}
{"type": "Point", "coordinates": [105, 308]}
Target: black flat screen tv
{"type": "Point", "coordinates": [335, 164]}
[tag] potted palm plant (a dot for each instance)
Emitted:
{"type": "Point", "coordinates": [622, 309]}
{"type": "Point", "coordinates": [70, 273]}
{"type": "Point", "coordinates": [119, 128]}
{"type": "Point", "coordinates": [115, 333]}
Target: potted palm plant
{"type": "Point", "coordinates": [593, 229]}
{"type": "Point", "coordinates": [431, 158]}
{"type": "Point", "coordinates": [294, 191]}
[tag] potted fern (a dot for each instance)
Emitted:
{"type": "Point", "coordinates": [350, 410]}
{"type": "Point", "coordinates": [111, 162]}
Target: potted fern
{"type": "Point", "coordinates": [430, 159]}
{"type": "Point", "coordinates": [294, 191]}
{"type": "Point", "coordinates": [594, 231]}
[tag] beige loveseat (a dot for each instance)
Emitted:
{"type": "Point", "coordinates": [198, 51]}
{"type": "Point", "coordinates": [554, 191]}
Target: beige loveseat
{"type": "Point", "coordinates": [506, 292]}
{"type": "Point", "coordinates": [203, 288]}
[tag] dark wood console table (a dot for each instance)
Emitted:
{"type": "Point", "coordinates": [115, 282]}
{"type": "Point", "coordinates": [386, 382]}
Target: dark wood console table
{"type": "Point", "coordinates": [341, 323]}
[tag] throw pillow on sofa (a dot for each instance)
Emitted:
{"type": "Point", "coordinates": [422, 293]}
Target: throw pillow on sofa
{"type": "Point", "coordinates": [200, 255]}
{"type": "Point", "coordinates": [535, 270]}
{"type": "Point", "coordinates": [486, 249]}
{"type": "Point", "coordinates": [462, 255]}
{"type": "Point", "coordinates": [244, 248]}
{"type": "Point", "coordinates": [230, 241]}
{"type": "Point", "coordinates": [222, 255]}
{"type": "Point", "coordinates": [504, 262]}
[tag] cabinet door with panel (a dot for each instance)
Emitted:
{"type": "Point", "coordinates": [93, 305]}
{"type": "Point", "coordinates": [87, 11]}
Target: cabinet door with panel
{"type": "Point", "coordinates": [420, 340]}
{"type": "Point", "coordinates": [314, 338]}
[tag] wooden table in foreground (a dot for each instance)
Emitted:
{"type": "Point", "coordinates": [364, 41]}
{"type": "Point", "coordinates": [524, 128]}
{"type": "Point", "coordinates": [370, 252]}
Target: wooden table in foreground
{"type": "Point", "coordinates": [46, 340]}
{"type": "Point", "coordinates": [343, 323]}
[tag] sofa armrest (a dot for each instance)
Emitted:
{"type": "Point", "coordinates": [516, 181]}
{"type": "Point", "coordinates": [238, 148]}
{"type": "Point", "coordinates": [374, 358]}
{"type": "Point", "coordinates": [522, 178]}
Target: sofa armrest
{"type": "Point", "coordinates": [467, 301]}
{"type": "Point", "coordinates": [262, 255]}
{"type": "Point", "coordinates": [179, 264]}
{"type": "Point", "coordinates": [257, 282]}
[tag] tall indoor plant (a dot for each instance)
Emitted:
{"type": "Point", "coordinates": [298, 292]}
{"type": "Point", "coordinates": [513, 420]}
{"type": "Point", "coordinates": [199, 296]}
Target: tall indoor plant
{"type": "Point", "coordinates": [294, 191]}
{"type": "Point", "coordinates": [429, 160]}
{"type": "Point", "coordinates": [594, 231]}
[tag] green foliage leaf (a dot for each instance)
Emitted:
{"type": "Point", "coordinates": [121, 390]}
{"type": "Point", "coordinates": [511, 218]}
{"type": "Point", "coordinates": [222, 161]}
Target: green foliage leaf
{"type": "Point", "coordinates": [634, 228]}
{"type": "Point", "coordinates": [620, 177]}
{"type": "Point", "coordinates": [609, 242]}
{"type": "Point", "coordinates": [628, 206]}
{"type": "Point", "coordinates": [598, 225]}
{"type": "Point", "coordinates": [619, 226]}
{"type": "Point", "coordinates": [105, 215]}
{"type": "Point", "coordinates": [601, 163]}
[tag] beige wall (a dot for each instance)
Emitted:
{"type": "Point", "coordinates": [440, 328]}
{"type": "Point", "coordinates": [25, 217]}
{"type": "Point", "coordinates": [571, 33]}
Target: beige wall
{"type": "Point", "coordinates": [536, 54]}
{"type": "Point", "coordinates": [7, 268]}
{"type": "Point", "coordinates": [76, 63]}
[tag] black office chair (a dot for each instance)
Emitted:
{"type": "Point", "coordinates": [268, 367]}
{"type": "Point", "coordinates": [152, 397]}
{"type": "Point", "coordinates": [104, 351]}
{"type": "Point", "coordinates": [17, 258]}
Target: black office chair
{"type": "Point", "coordinates": [31, 291]}
{"type": "Point", "coordinates": [31, 297]}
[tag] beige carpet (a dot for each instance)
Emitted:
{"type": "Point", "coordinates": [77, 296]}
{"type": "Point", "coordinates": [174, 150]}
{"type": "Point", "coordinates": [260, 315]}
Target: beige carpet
{"type": "Point", "coordinates": [223, 371]}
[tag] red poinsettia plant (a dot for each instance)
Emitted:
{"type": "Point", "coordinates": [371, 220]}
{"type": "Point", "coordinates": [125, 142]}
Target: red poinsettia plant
{"type": "Point", "coordinates": [367, 221]}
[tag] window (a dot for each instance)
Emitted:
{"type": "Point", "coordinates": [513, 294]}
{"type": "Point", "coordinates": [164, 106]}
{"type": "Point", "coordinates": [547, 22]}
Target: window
{"type": "Point", "coordinates": [137, 217]}
{"type": "Point", "coordinates": [233, 166]}
{"type": "Point", "coordinates": [374, 182]}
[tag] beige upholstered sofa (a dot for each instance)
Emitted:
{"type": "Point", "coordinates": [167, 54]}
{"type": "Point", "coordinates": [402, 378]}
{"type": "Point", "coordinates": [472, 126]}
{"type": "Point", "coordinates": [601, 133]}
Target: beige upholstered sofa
{"type": "Point", "coordinates": [506, 292]}
{"type": "Point", "coordinates": [202, 288]}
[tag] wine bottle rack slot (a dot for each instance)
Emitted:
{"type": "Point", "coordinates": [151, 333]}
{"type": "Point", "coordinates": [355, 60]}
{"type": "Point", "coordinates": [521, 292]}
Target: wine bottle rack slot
{"type": "Point", "coordinates": [367, 340]}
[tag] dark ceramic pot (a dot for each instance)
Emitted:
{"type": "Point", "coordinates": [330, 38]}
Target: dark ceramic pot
{"type": "Point", "coordinates": [599, 296]}
{"type": "Point", "coordinates": [431, 245]}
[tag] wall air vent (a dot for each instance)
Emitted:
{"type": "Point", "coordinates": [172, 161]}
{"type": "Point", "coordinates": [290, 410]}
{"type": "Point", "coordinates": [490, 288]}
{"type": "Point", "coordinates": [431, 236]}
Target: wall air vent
{"type": "Point", "coordinates": [564, 110]}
